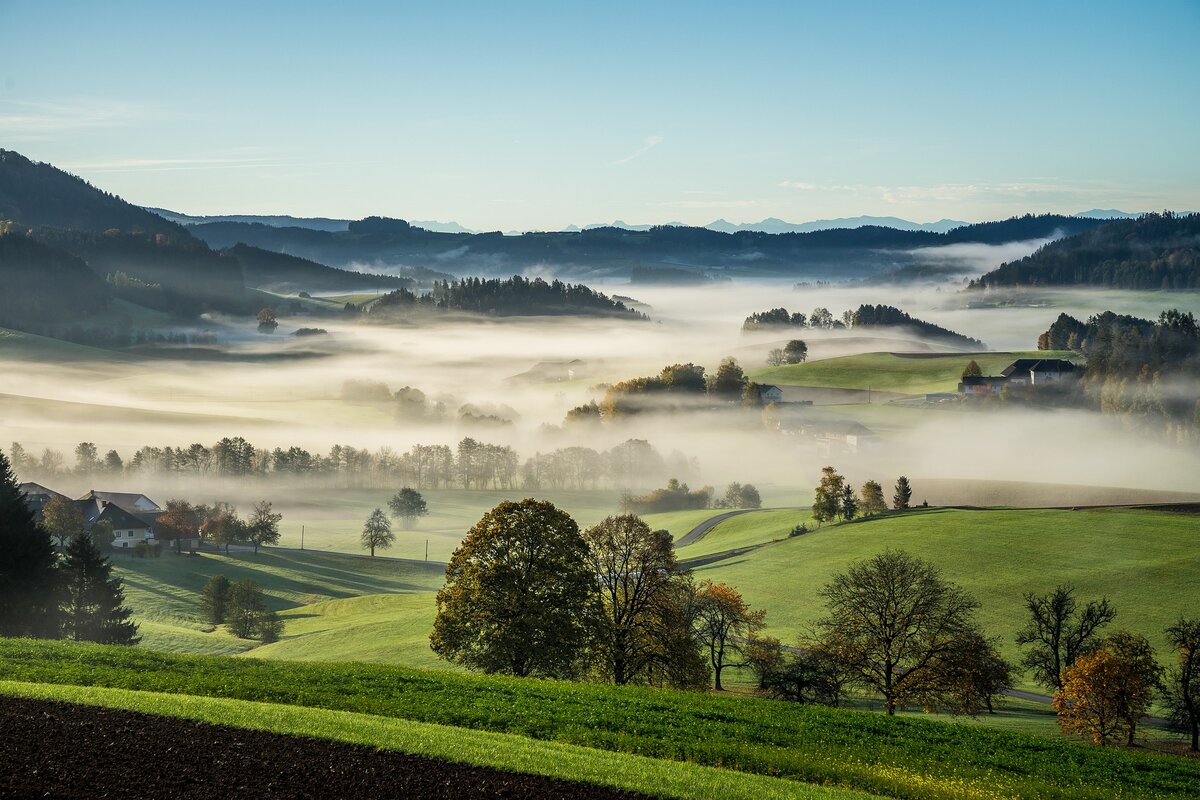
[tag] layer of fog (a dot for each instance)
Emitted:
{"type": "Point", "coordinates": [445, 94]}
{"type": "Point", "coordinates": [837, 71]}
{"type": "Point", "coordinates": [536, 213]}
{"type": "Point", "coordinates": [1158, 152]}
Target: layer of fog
{"type": "Point", "coordinates": [127, 403]}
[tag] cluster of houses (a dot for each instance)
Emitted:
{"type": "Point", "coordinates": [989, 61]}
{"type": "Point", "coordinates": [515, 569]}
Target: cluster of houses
{"type": "Point", "coordinates": [1022, 372]}
{"type": "Point", "coordinates": [133, 517]}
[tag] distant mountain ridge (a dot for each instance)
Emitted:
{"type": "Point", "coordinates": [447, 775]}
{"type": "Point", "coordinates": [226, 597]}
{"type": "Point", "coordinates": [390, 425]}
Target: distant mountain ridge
{"type": "Point", "coordinates": [328, 224]}
{"type": "Point", "coordinates": [775, 225]}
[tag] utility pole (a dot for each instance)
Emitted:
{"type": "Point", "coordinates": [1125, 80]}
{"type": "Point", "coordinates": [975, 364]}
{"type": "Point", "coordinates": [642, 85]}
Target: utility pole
{"type": "Point", "coordinates": [301, 537]}
{"type": "Point", "coordinates": [426, 550]}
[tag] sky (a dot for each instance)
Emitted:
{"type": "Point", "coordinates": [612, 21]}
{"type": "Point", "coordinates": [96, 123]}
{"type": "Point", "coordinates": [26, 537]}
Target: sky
{"type": "Point", "coordinates": [535, 116]}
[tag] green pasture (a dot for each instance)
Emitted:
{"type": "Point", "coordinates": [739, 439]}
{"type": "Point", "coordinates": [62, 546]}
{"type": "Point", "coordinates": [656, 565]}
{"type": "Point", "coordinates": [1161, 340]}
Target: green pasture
{"type": "Point", "coordinates": [889, 372]}
{"type": "Point", "coordinates": [1145, 562]}
{"type": "Point", "coordinates": [898, 757]}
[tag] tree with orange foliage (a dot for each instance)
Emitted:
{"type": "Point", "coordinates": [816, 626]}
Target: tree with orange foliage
{"type": "Point", "coordinates": [725, 625]}
{"type": "Point", "coordinates": [1106, 692]}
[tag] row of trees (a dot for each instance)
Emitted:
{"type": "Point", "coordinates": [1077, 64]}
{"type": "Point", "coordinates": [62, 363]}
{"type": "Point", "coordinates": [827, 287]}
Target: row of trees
{"type": "Point", "coordinates": [47, 595]}
{"type": "Point", "coordinates": [865, 316]}
{"type": "Point", "coordinates": [676, 496]}
{"type": "Point", "coordinates": [471, 464]}
{"type": "Point", "coordinates": [836, 499]}
{"type": "Point", "coordinates": [528, 593]}
{"type": "Point", "coordinates": [504, 297]}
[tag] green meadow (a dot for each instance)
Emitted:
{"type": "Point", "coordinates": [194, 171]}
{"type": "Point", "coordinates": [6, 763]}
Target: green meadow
{"type": "Point", "coordinates": [892, 372]}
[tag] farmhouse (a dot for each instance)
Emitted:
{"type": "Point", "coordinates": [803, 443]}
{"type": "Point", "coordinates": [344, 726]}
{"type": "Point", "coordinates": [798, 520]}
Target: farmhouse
{"type": "Point", "coordinates": [1022, 372]}
{"type": "Point", "coordinates": [133, 516]}
{"type": "Point", "coordinates": [769, 393]}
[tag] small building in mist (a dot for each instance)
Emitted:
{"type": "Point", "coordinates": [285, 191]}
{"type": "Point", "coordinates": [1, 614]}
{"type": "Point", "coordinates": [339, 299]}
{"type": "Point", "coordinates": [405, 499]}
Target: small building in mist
{"type": "Point", "coordinates": [1022, 372]}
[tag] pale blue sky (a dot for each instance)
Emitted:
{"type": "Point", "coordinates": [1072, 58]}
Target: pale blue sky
{"type": "Point", "coordinates": [540, 115]}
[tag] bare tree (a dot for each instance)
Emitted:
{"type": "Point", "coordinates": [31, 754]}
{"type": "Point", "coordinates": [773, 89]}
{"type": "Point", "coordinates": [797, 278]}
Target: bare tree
{"type": "Point", "coordinates": [898, 627]}
{"type": "Point", "coordinates": [1059, 634]}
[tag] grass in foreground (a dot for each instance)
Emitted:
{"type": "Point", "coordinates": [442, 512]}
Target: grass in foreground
{"type": "Point", "coordinates": [908, 758]}
{"type": "Point", "coordinates": [480, 748]}
{"type": "Point", "coordinates": [887, 372]}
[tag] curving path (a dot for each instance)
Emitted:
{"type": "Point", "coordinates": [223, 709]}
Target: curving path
{"type": "Point", "coordinates": [696, 533]}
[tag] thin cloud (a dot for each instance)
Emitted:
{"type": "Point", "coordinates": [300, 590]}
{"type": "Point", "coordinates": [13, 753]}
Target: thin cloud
{"type": "Point", "coordinates": [25, 121]}
{"type": "Point", "coordinates": [650, 143]}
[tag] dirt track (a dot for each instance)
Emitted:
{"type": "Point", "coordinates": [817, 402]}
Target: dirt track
{"type": "Point", "coordinates": [68, 751]}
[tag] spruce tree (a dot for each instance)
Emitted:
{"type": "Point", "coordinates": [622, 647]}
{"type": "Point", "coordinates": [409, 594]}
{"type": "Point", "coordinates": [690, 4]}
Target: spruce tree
{"type": "Point", "coordinates": [94, 610]}
{"type": "Point", "coordinates": [29, 585]}
{"type": "Point", "coordinates": [903, 495]}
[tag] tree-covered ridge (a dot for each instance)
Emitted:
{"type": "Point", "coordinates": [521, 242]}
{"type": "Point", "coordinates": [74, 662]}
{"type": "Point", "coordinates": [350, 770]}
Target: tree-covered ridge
{"type": "Point", "coordinates": [1137, 368]}
{"type": "Point", "coordinates": [36, 194]}
{"type": "Point", "coordinates": [266, 269]}
{"type": "Point", "coordinates": [837, 252]}
{"type": "Point", "coordinates": [1155, 251]}
{"type": "Point", "coordinates": [869, 316]}
{"type": "Point", "coordinates": [43, 283]}
{"type": "Point", "coordinates": [515, 296]}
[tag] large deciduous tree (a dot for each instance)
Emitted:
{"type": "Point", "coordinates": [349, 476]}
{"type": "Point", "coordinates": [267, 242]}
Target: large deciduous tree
{"type": "Point", "coordinates": [63, 519]}
{"type": "Point", "coordinates": [179, 521]}
{"type": "Point", "coordinates": [898, 627]}
{"type": "Point", "coordinates": [637, 591]}
{"type": "Point", "coordinates": [94, 610]}
{"type": "Point", "coordinates": [725, 625]}
{"type": "Point", "coordinates": [263, 525]}
{"type": "Point", "coordinates": [377, 532]}
{"type": "Point", "coordinates": [214, 601]}
{"type": "Point", "coordinates": [30, 588]}
{"type": "Point", "coordinates": [517, 594]}
{"type": "Point", "coordinates": [872, 498]}
{"type": "Point", "coordinates": [795, 352]}
{"type": "Point", "coordinates": [407, 505]}
{"type": "Point", "coordinates": [728, 381]}
{"type": "Point", "coordinates": [1059, 632]}
{"type": "Point", "coordinates": [1106, 691]}
{"type": "Point", "coordinates": [1182, 685]}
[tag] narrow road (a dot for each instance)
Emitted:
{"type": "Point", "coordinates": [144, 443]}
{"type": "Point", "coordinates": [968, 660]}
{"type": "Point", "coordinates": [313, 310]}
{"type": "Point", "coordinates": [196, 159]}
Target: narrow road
{"type": "Point", "coordinates": [704, 527]}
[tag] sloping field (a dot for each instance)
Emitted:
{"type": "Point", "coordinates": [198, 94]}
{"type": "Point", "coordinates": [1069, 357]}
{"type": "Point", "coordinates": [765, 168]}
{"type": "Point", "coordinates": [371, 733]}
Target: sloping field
{"type": "Point", "coordinates": [913, 373]}
{"type": "Point", "coordinates": [909, 758]}
{"type": "Point", "coordinates": [1145, 562]}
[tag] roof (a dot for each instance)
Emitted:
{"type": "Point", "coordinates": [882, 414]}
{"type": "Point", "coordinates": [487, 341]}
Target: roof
{"type": "Point", "coordinates": [766, 387]}
{"type": "Point", "coordinates": [120, 518]}
{"type": "Point", "coordinates": [1037, 365]}
{"type": "Point", "coordinates": [983, 380]}
{"type": "Point", "coordinates": [126, 500]}
{"type": "Point", "coordinates": [36, 489]}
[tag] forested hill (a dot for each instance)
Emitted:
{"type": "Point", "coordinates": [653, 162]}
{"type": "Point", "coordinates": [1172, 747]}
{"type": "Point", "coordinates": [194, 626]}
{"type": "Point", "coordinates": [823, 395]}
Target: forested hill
{"type": "Point", "coordinates": [1155, 251]}
{"type": "Point", "coordinates": [828, 253]}
{"type": "Point", "coordinates": [39, 195]}
{"type": "Point", "coordinates": [869, 316]}
{"type": "Point", "coordinates": [515, 296]}
{"type": "Point", "coordinates": [279, 272]}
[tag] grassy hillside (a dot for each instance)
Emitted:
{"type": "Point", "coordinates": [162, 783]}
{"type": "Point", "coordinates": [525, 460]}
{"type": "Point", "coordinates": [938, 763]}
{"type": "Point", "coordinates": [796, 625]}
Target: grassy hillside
{"type": "Point", "coordinates": [165, 596]}
{"type": "Point", "coordinates": [747, 530]}
{"type": "Point", "coordinates": [890, 372]}
{"type": "Point", "coordinates": [908, 758]}
{"type": "Point", "coordinates": [1143, 561]}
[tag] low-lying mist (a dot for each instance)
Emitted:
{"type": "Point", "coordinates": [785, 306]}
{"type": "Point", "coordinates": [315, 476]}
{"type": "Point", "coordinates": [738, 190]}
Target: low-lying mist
{"type": "Point", "coordinates": [521, 375]}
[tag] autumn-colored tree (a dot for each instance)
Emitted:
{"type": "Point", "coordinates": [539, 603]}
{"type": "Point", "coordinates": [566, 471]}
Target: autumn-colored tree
{"type": "Point", "coordinates": [872, 498]}
{"type": "Point", "coordinates": [972, 370]}
{"type": "Point", "coordinates": [63, 519]}
{"type": "Point", "coordinates": [517, 595]}
{"type": "Point", "coordinates": [1182, 685]}
{"type": "Point", "coordinates": [377, 532]}
{"type": "Point", "coordinates": [636, 576]}
{"type": "Point", "coordinates": [1087, 703]}
{"type": "Point", "coordinates": [1143, 677]}
{"type": "Point", "coordinates": [724, 623]}
{"type": "Point", "coordinates": [266, 320]}
{"type": "Point", "coordinates": [897, 626]}
{"type": "Point", "coordinates": [178, 521]}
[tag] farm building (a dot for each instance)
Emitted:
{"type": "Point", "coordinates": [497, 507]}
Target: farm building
{"type": "Point", "coordinates": [769, 393]}
{"type": "Point", "coordinates": [133, 516]}
{"type": "Point", "coordinates": [1022, 372]}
